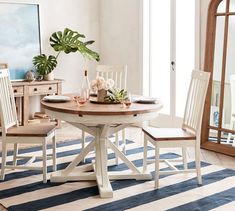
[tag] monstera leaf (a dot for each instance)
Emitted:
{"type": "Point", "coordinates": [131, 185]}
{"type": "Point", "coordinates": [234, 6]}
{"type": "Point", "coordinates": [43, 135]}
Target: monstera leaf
{"type": "Point", "coordinates": [69, 41]}
{"type": "Point", "coordinates": [43, 64]}
{"type": "Point", "coordinates": [88, 53]}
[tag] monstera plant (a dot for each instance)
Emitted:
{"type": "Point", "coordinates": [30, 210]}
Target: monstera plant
{"type": "Point", "coordinates": [68, 41]}
{"type": "Point", "coordinates": [43, 64]}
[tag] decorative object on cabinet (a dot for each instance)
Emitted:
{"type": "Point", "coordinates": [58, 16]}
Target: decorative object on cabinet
{"type": "Point", "coordinates": [20, 36]}
{"type": "Point", "coordinates": [12, 133]}
{"type": "Point", "coordinates": [29, 76]}
{"type": "Point", "coordinates": [220, 63]}
{"type": "Point", "coordinates": [187, 136]}
{"type": "Point", "coordinates": [67, 41]}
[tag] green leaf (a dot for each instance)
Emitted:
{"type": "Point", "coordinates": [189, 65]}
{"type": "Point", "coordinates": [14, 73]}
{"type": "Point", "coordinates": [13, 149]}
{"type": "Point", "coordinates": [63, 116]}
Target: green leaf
{"type": "Point", "coordinates": [116, 95]}
{"type": "Point", "coordinates": [69, 41]}
{"type": "Point", "coordinates": [89, 42]}
{"type": "Point", "coordinates": [43, 64]}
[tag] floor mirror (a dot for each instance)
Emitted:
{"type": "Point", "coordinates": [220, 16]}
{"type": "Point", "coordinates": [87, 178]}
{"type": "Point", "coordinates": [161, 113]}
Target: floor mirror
{"type": "Point", "coordinates": [218, 128]}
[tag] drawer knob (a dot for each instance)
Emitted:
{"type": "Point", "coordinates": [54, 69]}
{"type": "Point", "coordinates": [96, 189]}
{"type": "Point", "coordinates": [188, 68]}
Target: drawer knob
{"type": "Point", "coordinates": [50, 88]}
{"type": "Point", "coordinates": [35, 89]}
{"type": "Point", "coordinates": [15, 90]}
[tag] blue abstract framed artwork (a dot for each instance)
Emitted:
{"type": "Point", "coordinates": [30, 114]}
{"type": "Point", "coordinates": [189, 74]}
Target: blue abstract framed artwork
{"type": "Point", "coordinates": [19, 36]}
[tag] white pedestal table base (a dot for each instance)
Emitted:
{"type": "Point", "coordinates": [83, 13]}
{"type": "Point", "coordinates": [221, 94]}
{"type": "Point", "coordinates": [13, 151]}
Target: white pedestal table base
{"type": "Point", "coordinates": [100, 174]}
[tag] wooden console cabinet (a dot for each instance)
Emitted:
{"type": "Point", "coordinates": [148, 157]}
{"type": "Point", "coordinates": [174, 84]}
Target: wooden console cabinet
{"type": "Point", "coordinates": [23, 90]}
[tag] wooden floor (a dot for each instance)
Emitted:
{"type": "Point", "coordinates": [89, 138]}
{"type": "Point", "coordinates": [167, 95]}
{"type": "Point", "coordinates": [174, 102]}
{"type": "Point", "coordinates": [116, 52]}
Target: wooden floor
{"type": "Point", "coordinates": [68, 132]}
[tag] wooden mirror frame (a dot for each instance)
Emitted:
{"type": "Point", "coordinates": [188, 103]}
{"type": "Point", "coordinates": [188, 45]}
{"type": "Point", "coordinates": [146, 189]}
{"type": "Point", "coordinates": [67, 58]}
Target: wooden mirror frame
{"type": "Point", "coordinates": [209, 66]}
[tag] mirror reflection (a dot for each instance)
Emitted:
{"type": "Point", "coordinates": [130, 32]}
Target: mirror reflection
{"type": "Point", "coordinates": [232, 6]}
{"type": "Point", "coordinates": [229, 91]}
{"type": "Point", "coordinates": [216, 84]}
{"type": "Point", "coordinates": [222, 7]}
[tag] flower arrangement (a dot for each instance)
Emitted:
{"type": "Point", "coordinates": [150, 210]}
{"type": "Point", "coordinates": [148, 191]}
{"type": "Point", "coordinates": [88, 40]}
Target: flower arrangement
{"type": "Point", "coordinates": [106, 92]}
{"type": "Point", "coordinates": [101, 84]}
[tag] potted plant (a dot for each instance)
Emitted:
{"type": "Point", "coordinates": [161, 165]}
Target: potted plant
{"type": "Point", "coordinates": [116, 95]}
{"type": "Point", "coordinates": [67, 41]}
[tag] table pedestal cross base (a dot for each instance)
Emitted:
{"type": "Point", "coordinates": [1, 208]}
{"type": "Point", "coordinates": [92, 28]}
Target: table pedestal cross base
{"type": "Point", "coordinates": [100, 174]}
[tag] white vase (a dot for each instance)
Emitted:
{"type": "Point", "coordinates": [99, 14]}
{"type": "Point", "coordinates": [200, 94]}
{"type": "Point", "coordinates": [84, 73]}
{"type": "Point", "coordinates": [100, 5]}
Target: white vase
{"type": "Point", "coordinates": [49, 77]}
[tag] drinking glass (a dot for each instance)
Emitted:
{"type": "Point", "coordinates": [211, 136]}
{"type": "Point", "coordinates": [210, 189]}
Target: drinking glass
{"type": "Point", "coordinates": [127, 102]}
{"type": "Point", "coordinates": [83, 98]}
{"type": "Point", "coordinates": [77, 96]}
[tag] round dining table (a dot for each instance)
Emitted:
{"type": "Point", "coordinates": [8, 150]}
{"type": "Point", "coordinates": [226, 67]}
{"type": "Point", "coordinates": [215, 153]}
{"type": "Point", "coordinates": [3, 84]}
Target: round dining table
{"type": "Point", "coordinates": [100, 121]}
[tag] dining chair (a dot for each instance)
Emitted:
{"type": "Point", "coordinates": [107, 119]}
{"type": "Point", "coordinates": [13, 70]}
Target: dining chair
{"type": "Point", "coordinates": [12, 133]}
{"type": "Point", "coordinates": [119, 75]}
{"type": "Point", "coordinates": [232, 121]}
{"type": "Point", "coordinates": [188, 135]}
{"type": "Point", "coordinates": [3, 66]}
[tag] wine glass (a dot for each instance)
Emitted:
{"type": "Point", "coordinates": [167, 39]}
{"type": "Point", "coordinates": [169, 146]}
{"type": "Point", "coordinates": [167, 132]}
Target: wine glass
{"type": "Point", "coordinates": [76, 97]}
{"type": "Point", "coordinates": [83, 98]}
{"type": "Point", "coordinates": [127, 100]}
{"type": "Point", "coordinates": [126, 103]}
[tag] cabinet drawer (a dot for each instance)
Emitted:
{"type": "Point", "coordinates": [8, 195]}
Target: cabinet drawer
{"type": "Point", "coordinates": [42, 89]}
{"type": "Point", "coordinates": [18, 90]}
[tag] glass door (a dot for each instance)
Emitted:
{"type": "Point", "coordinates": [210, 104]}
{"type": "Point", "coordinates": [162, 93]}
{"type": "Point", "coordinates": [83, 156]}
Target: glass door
{"type": "Point", "coordinates": [172, 56]}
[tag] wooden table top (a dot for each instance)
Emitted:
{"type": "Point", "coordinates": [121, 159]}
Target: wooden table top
{"type": "Point", "coordinates": [101, 109]}
{"type": "Point", "coordinates": [32, 83]}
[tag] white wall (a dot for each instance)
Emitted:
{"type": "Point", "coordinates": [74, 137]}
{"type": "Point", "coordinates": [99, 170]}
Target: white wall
{"type": "Point", "coordinates": [119, 38]}
{"type": "Point", "coordinates": [115, 25]}
{"type": "Point", "coordinates": [80, 15]}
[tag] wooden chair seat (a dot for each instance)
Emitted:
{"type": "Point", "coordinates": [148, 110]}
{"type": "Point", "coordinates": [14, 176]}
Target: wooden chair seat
{"type": "Point", "coordinates": [168, 134]}
{"type": "Point", "coordinates": [38, 130]}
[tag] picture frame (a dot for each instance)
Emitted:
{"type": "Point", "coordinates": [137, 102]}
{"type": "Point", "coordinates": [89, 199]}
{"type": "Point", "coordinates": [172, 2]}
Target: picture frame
{"type": "Point", "coordinates": [20, 38]}
{"type": "Point", "coordinates": [214, 119]}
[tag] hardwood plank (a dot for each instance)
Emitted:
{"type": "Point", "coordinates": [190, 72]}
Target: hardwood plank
{"type": "Point", "coordinates": [37, 130]}
{"type": "Point", "coordinates": [165, 134]}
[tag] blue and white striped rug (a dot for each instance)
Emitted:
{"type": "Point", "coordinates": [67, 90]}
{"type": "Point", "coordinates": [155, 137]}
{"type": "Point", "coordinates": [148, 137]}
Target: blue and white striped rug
{"type": "Point", "coordinates": [24, 190]}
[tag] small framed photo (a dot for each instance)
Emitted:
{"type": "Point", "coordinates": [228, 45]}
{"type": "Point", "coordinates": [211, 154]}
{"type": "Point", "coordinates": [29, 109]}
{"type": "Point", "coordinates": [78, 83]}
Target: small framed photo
{"type": "Point", "coordinates": [214, 118]}
{"type": "Point", "coordinates": [20, 36]}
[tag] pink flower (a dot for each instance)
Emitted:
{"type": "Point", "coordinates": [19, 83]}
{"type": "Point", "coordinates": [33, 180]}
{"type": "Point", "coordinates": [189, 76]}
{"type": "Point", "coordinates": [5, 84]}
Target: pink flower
{"type": "Point", "coordinates": [100, 83]}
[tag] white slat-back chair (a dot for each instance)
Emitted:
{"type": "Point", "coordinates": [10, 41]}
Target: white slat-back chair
{"type": "Point", "coordinates": [119, 75]}
{"type": "Point", "coordinates": [232, 122]}
{"type": "Point", "coordinates": [187, 136]}
{"type": "Point", "coordinates": [12, 133]}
